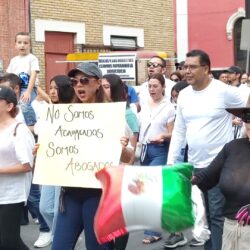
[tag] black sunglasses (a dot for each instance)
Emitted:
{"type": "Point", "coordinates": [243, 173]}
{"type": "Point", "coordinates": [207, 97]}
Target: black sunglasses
{"type": "Point", "coordinates": [83, 80]}
{"type": "Point", "coordinates": [154, 65]}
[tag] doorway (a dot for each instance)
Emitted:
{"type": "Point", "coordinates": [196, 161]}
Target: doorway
{"type": "Point", "coordinates": [57, 46]}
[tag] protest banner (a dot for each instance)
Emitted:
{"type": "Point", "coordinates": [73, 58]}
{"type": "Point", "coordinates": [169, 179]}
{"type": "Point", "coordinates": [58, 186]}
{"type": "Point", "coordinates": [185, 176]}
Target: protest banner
{"type": "Point", "coordinates": [122, 64]}
{"type": "Point", "coordinates": [77, 140]}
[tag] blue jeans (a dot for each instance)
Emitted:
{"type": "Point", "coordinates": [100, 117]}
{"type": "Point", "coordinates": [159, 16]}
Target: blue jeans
{"type": "Point", "coordinates": [33, 206]}
{"type": "Point", "coordinates": [78, 216]}
{"type": "Point", "coordinates": [28, 111]}
{"type": "Point", "coordinates": [155, 155]}
{"type": "Point", "coordinates": [49, 203]}
{"type": "Point", "coordinates": [214, 202]}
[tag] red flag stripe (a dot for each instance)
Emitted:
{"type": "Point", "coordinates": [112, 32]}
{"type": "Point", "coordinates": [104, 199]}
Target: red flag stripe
{"type": "Point", "coordinates": [111, 208]}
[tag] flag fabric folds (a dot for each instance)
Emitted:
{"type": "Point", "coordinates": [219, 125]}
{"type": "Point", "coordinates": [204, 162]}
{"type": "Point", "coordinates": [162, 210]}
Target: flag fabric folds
{"type": "Point", "coordinates": [139, 198]}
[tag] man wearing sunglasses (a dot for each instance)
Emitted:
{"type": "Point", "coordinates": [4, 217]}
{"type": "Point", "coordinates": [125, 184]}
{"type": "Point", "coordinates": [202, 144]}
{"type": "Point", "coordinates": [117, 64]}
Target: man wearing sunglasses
{"type": "Point", "coordinates": [155, 65]}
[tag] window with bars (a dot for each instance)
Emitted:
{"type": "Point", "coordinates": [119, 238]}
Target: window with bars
{"type": "Point", "coordinates": [123, 43]}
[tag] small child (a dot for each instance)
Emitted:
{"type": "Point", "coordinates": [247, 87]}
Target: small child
{"type": "Point", "coordinates": [26, 66]}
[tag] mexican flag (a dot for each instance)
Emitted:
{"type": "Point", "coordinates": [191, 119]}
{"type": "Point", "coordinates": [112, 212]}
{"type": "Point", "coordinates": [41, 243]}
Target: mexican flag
{"type": "Point", "coordinates": [138, 198]}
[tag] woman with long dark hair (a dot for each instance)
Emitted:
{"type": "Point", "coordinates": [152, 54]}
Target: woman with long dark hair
{"type": "Point", "coordinates": [117, 91]}
{"type": "Point", "coordinates": [16, 165]}
{"type": "Point", "coordinates": [60, 91]}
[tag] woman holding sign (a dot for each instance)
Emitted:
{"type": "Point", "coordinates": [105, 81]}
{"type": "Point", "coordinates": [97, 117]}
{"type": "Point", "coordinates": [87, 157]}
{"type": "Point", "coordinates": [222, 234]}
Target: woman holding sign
{"type": "Point", "coordinates": [15, 170]}
{"type": "Point", "coordinates": [78, 205]}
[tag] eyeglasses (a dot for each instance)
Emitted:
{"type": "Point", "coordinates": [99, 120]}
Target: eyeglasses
{"type": "Point", "coordinates": [154, 65]}
{"type": "Point", "coordinates": [192, 67]}
{"type": "Point", "coordinates": [82, 80]}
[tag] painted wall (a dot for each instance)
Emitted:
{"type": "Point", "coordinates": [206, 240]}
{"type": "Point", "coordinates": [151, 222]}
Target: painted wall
{"type": "Point", "coordinates": [14, 18]}
{"type": "Point", "coordinates": [207, 29]}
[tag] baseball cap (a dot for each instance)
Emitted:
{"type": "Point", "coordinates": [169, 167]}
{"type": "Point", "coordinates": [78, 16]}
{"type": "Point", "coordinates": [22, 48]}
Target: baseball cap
{"type": "Point", "coordinates": [243, 113]}
{"type": "Point", "coordinates": [87, 68]}
{"type": "Point", "coordinates": [179, 65]}
{"type": "Point", "coordinates": [234, 69]}
{"type": "Point", "coordinates": [8, 95]}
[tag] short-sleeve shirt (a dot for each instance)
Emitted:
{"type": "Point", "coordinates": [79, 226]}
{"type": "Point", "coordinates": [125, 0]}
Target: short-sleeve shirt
{"type": "Point", "coordinates": [159, 117]}
{"type": "Point", "coordinates": [22, 66]}
{"type": "Point", "coordinates": [132, 120]}
{"type": "Point", "coordinates": [132, 96]}
{"type": "Point", "coordinates": [14, 188]}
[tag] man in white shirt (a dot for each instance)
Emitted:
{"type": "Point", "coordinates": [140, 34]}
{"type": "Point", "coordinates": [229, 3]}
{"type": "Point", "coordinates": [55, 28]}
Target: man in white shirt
{"type": "Point", "coordinates": [155, 65]}
{"type": "Point", "coordinates": [202, 120]}
{"type": "Point", "coordinates": [234, 76]}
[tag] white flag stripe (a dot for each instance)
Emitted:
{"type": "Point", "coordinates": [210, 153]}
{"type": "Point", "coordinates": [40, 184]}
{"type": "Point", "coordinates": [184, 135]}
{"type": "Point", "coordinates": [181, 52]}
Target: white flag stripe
{"type": "Point", "coordinates": [141, 197]}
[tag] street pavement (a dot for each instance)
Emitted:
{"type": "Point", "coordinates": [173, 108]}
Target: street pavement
{"type": "Point", "coordinates": [30, 234]}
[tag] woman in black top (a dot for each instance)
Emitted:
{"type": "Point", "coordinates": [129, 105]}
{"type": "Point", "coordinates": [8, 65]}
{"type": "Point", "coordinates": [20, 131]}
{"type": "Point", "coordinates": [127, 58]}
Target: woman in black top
{"type": "Point", "coordinates": [231, 171]}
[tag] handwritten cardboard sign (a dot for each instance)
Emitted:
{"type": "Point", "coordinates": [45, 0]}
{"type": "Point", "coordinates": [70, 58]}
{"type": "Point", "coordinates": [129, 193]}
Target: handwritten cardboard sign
{"type": "Point", "coordinates": [76, 140]}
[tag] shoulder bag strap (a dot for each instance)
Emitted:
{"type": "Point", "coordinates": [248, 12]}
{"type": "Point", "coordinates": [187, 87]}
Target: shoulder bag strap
{"type": "Point", "coordinates": [16, 128]}
{"type": "Point", "coordinates": [147, 129]}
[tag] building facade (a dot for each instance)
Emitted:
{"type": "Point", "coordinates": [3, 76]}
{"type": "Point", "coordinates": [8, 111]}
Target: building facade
{"type": "Point", "coordinates": [62, 27]}
{"type": "Point", "coordinates": [214, 27]}
{"type": "Point", "coordinates": [14, 17]}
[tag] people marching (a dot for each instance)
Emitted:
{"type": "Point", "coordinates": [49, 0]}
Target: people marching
{"type": "Point", "coordinates": [190, 117]}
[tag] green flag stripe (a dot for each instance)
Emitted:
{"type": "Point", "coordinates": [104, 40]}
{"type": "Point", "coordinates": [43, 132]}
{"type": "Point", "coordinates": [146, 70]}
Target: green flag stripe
{"type": "Point", "coordinates": [177, 212]}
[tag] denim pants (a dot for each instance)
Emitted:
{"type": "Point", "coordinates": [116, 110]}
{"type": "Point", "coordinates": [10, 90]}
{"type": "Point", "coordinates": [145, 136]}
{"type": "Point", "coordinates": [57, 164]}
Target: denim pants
{"type": "Point", "coordinates": [78, 216]}
{"type": "Point", "coordinates": [49, 203]}
{"type": "Point", "coordinates": [10, 215]}
{"type": "Point", "coordinates": [214, 202]}
{"type": "Point", "coordinates": [33, 206]}
{"type": "Point", "coordinates": [155, 155]}
{"type": "Point", "coordinates": [28, 111]}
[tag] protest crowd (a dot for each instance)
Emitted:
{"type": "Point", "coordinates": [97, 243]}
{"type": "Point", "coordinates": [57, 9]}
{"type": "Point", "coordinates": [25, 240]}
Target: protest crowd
{"type": "Point", "coordinates": [189, 117]}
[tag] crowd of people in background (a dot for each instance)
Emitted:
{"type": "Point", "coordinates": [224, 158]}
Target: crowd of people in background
{"type": "Point", "coordinates": [182, 117]}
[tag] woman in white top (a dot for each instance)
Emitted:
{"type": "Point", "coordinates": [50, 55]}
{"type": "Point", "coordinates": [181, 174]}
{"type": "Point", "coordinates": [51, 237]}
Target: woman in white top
{"type": "Point", "coordinates": [15, 170]}
{"type": "Point", "coordinates": [156, 125]}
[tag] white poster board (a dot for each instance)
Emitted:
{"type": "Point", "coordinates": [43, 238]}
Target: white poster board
{"type": "Point", "coordinates": [76, 140]}
{"type": "Point", "coordinates": [122, 64]}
